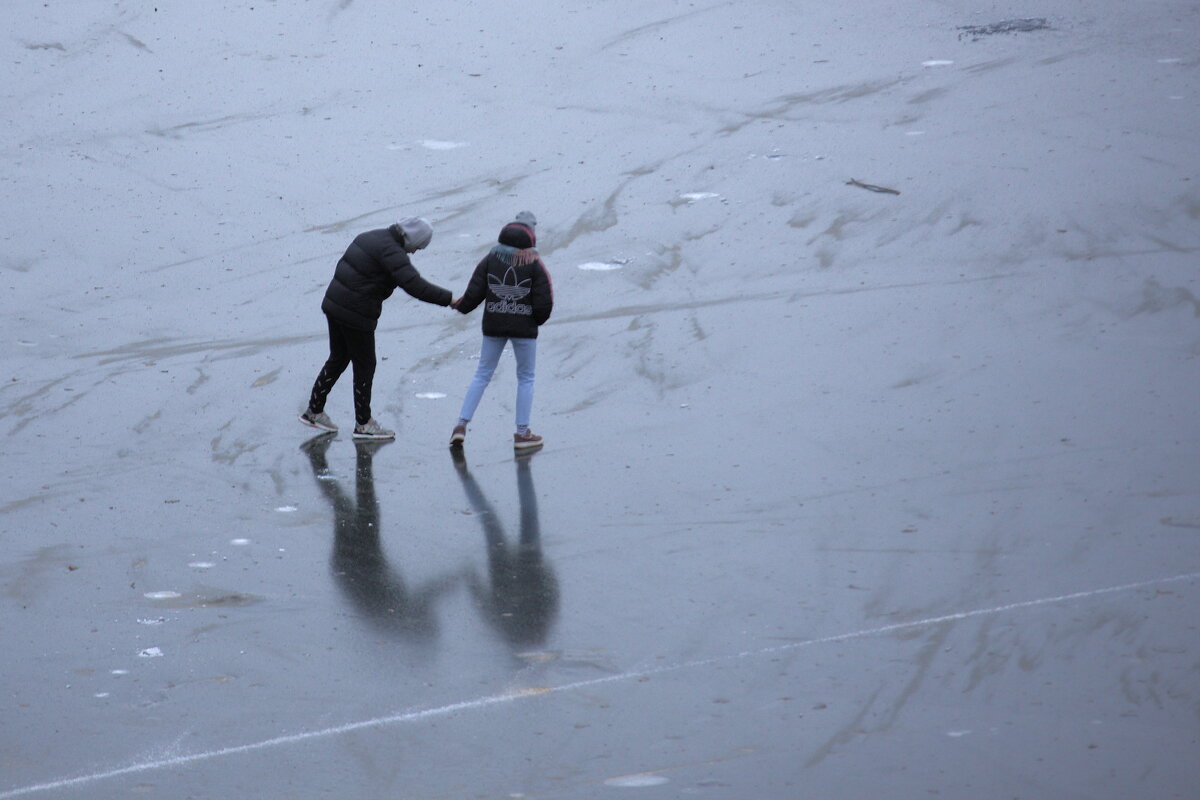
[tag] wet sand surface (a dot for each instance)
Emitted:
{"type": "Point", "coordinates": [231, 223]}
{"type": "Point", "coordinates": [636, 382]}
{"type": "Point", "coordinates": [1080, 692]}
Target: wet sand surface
{"type": "Point", "coordinates": [869, 400]}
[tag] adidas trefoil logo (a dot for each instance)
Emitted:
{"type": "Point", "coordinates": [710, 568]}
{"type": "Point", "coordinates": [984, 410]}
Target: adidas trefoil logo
{"type": "Point", "coordinates": [508, 288]}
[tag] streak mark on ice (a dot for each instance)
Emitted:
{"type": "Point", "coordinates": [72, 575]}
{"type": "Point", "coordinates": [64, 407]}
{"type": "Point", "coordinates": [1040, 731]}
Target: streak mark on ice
{"type": "Point", "coordinates": [638, 781]}
{"type": "Point", "coordinates": [936, 62]}
{"type": "Point", "coordinates": [431, 395]}
{"type": "Point", "coordinates": [489, 701]}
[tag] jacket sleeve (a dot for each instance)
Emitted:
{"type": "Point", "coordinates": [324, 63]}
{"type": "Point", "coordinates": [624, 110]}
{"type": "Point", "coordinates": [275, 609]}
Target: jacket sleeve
{"type": "Point", "coordinates": [542, 293]}
{"type": "Point", "coordinates": [406, 277]}
{"type": "Point", "coordinates": [476, 288]}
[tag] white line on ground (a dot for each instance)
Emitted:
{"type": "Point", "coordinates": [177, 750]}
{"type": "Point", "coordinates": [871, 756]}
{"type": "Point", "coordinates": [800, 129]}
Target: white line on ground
{"type": "Point", "coordinates": [484, 702]}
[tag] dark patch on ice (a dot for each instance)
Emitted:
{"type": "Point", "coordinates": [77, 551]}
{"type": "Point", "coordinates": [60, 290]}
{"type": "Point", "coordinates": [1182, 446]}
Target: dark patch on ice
{"type": "Point", "coordinates": [870, 187]}
{"type": "Point", "coordinates": [46, 46]}
{"type": "Point", "coordinates": [1024, 25]}
{"type": "Point", "coordinates": [782, 108]}
{"type": "Point", "coordinates": [1158, 298]}
{"type": "Point", "coordinates": [988, 66]}
{"type": "Point", "coordinates": [655, 26]}
{"type": "Point", "coordinates": [596, 219]}
{"type": "Point", "coordinates": [138, 43]}
{"type": "Point", "coordinates": [926, 96]}
{"type": "Point", "coordinates": [205, 126]}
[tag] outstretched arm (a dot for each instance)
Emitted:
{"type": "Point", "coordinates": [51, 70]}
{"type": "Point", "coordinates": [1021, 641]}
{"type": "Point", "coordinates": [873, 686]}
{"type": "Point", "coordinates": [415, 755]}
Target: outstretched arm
{"type": "Point", "coordinates": [476, 289]}
{"type": "Point", "coordinates": [402, 271]}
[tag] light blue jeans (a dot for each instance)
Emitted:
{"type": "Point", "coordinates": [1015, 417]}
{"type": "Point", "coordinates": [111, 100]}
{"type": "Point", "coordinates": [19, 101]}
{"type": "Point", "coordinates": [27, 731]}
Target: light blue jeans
{"type": "Point", "coordinates": [489, 356]}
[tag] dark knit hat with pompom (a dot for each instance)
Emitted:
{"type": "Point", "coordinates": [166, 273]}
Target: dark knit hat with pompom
{"type": "Point", "coordinates": [518, 235]}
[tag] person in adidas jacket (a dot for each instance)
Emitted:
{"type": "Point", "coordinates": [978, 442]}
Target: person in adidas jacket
{"type": "Point", "coordinates": [514, 286]}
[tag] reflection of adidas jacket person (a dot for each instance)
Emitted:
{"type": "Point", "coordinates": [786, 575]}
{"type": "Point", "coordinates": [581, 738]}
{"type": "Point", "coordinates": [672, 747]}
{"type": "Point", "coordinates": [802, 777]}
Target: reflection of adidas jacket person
{"type": "Point", "coordinates": [515, 285]}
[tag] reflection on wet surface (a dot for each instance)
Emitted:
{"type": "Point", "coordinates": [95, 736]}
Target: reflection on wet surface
{"type": "Point", "coordinates": [520, 598]}
{"type": "Point", "coordinates": [373, 587]}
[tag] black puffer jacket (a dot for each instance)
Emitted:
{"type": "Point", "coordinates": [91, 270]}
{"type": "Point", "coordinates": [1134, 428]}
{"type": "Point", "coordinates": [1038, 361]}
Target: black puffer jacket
{"type": "Point", "coordinates": [516, 285]}
{"type": "Point", "coordinates": [370, 270]}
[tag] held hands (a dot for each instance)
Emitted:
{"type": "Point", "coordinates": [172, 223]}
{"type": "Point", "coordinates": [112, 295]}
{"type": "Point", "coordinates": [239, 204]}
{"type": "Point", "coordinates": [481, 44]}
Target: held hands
{"type": "Point", "coordinates": [454, 303]}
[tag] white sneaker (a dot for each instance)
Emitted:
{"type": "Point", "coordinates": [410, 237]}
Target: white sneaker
{"type": "Point", "coordinates": [372, 430]}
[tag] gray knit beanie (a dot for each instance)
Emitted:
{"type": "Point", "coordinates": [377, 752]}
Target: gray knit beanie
{"type": "Point", "coordinates": [527, 218]}
{"type": "Point", "coordinates": [418, 232]}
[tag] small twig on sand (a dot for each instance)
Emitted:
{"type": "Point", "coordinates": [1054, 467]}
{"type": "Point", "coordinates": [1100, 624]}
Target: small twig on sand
{"type": "Point", "coordinates": [870, 187]}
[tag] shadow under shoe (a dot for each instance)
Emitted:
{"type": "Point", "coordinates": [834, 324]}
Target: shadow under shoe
{"type": "Point", "coordinates": [318, 445]}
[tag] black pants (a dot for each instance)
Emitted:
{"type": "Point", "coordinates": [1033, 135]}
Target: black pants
{"type": "Point", "coordinates": [347, 346]}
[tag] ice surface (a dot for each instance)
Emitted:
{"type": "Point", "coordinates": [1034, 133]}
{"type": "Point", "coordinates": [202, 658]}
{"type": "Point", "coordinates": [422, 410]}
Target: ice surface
{"type": "Point", "coordinates": [830, 474]}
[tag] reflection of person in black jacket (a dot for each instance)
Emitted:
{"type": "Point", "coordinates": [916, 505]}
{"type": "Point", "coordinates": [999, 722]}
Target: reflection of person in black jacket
{"type": "Point", "coordinates": [358, 562]}
{"type": "Point", "coordinates": [514, 282]}
{"type": "Point", "coordinates": [373, 266]}
{"type": "Point", "coordinates": [521, 598]}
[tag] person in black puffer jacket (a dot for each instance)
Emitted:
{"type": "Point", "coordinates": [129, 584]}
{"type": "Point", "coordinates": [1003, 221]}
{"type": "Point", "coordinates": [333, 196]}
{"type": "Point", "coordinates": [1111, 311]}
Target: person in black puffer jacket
{"type": "Point", "coordinates": [373, 266]}
{"type": "Point", "coordinates": [516, 285]}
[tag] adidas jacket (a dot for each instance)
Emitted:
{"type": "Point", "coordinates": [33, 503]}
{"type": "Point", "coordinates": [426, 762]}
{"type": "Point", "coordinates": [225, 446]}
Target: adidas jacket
{"type": "Point", "coordinates": [517, 299]}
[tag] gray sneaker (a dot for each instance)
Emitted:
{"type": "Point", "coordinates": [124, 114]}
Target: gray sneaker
{"type": "Point", "coordinates": [320, 421]}
{"type": "Point", "coordinates": [372, 430]}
